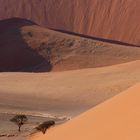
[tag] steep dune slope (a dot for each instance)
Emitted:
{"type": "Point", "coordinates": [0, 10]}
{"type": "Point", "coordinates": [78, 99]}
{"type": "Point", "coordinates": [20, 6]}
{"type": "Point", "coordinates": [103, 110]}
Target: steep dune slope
{"type": "Point", "coordinates": [65, 93]}
{"type": "Point", "coordinates": [111, 19]}
{"type": "Point", "coordinates": [15, 54]}
{"type": "Point", "coordinates": [116, 119]}
{"type": "Point", "coordinates": [25, 46]}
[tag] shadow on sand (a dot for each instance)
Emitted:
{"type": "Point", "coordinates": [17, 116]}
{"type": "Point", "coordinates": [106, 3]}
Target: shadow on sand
{"type": "Point", "coordinates": [15, 54]}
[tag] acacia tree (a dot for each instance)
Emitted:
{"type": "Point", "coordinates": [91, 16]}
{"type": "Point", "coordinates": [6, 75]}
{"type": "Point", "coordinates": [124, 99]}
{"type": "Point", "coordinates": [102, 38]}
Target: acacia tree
{"type": "Point", "coordinates": [45, 125]}
{"type": "Point", "coordinates": [19, 120]}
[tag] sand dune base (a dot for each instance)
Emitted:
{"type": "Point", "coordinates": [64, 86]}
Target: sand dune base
{"type": "Point", "coordinates": [116, 119]}
{"type": "Point", "coordinates": [65, 93]}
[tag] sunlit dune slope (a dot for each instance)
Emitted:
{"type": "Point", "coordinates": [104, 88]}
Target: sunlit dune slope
{"type": "Point", "coordinates": [116, 119]}
{"type": "Point", "coordinates": [65, 93]}
{"type": "Point", "coordinates": [27, 47]}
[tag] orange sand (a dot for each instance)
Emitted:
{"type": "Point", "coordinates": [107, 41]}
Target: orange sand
{"type": "Point", "coordinates": [66, 93]}
{"type": "Point", "coordinates": [116, 119]}
{"type": "Point", "coordinates": [111, 19]}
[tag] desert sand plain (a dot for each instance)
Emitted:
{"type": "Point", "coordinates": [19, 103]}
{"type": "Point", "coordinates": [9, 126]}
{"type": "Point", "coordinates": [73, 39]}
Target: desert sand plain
{"type": "Point", "coordinates": [48, 74]}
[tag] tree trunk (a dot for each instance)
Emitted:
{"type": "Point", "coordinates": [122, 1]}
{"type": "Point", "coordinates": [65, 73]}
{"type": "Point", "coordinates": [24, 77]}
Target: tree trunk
{"type": "Point", "coordinates": [19, 128]}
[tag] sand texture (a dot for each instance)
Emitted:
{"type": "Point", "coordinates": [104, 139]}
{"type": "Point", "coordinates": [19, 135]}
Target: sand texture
{"type": "Point", "coordinates": [111, 19]}
{"type": "Point", "coordinates": [27, 47]}
{"type": "Point", "coordinates": [65, 93]}
{"type": "Point", "coordinates": [116, 119]}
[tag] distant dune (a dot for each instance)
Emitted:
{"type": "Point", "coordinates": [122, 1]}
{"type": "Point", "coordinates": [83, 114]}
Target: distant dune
{"type": "Point", "coordinates": [110, 19]}
{"type": "Point", "coordinates": [27, 47]}
{"type": "Point", "coordinates": [116, 119]}
{"type": "Point", "coordinates": [60, 58]}
{"type": "Point", "coordinates": [65, 93]}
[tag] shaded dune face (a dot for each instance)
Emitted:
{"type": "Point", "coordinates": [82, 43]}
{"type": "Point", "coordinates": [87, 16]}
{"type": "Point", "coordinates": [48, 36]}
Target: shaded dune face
{"type": "Point", "coordinates": [27, 47]}
{"type": "Point", "coordinates": [15, 54]}
{"type": "Point", "coordinates": [111, 19]}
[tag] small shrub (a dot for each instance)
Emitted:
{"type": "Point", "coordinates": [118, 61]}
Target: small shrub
{"type": "Point", "coordinates": [30, 34]}
{"type": "Point", "coordinates": [45, 125]}
{"type": "Point", "coordinates": [19, 120]}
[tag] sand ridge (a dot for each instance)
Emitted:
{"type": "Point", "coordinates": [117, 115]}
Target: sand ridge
{"type": "Point", "coordinates": [32, 48]}
{"type": "Point", "coordinates": [117, 119]}
{"type": "Point", "coordinates": [110, 19]}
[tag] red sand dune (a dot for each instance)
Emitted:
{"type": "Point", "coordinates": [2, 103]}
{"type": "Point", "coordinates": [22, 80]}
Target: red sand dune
{"type": "Point", "coordinates": [110, 19]}
{"type": "Point", "coordinates": [25, 46]}
{"type": "Point", "coordinates": [116, 119]}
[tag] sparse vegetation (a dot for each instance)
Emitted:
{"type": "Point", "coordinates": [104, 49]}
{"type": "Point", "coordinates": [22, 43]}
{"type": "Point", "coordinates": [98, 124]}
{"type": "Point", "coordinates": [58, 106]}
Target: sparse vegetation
{"type": "Point", "coordinates": [30, 34]}
{"type": "Point", "coordinates": [70, 43]}
{"type": "Point", "coordinates": [19, 120]}
{"type": "Point", "coordinates": [45, 125]}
